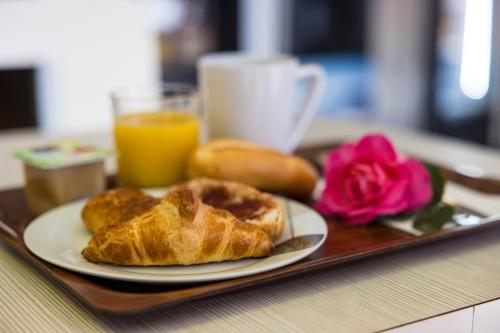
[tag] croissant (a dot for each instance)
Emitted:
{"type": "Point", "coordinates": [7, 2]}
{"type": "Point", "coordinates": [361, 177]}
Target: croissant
{"type": "Point", "coordinates": [245, 202]}
{"type": "Point", "coordinates": [180, 230]}
{"type": "Point", "coordinates": [115, 206]}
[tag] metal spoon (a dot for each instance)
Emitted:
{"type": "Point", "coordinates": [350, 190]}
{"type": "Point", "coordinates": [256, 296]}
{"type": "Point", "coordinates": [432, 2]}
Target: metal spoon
{"type": "Point", "coordinates": [298, 243]}
{"type": "Point", "coordinates": [470, 219]}
{"type": "Point", "coordinates": [306, 241]}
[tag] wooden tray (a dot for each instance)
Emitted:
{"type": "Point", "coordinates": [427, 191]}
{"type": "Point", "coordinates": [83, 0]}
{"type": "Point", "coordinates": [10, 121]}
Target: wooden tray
{"type": "Point", "coordinates": [344, 244]}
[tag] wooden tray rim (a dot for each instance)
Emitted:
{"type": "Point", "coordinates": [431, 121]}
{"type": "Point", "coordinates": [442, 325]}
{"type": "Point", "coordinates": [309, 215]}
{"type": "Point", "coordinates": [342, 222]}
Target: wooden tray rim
{"type": "Point", "coordinates": [16, 242]}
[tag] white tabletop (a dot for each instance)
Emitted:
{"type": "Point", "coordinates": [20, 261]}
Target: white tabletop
{"type": "Point", "coordinates": [369, 295]}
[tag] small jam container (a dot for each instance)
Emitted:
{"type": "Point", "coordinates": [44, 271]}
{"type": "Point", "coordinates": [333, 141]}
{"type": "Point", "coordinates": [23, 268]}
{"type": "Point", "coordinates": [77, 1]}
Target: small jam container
{"type": "Point", "coordinates": [62, 172]}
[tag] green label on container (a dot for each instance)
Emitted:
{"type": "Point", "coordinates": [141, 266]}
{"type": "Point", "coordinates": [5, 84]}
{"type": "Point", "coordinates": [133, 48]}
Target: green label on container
{"type": "Point", "coordinates": [61, 154]}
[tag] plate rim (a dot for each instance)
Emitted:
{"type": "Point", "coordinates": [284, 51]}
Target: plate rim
{"type": "Point", "coordinates": [166, 279]}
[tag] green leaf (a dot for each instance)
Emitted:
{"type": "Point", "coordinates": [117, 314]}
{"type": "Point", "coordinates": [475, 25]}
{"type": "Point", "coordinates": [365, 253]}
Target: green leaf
{"type": "Point", "coordinates": [438, 181]}
{"type": "Point", "coordinates": [433, 218]}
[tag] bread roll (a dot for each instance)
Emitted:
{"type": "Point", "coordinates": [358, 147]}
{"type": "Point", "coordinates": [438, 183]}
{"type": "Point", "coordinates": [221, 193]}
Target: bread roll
{"type": "Point", "coordinates": [254, 165]}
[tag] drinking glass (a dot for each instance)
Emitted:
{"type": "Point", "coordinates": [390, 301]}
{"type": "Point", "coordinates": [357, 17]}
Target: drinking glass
{"type": "Point", "coordinates": [155, 129]}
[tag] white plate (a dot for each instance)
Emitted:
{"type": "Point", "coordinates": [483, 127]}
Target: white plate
{"type": "Point", "coordinates": [58, 236]}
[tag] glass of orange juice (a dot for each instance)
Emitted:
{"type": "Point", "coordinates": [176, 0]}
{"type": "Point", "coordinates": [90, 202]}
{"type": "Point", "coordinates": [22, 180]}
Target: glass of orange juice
{"type": "Point", "coordinates": [155, 129]}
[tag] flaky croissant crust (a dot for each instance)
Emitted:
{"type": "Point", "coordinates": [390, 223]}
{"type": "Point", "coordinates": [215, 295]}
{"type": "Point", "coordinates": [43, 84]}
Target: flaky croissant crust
{"type": "Point", "coordinates": [179, 230]}
{"type": "Point", "coordinates": [114, 207]}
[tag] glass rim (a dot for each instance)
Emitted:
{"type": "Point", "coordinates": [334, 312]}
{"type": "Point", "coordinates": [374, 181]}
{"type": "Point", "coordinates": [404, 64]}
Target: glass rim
{"type": "Point", "coordinates": [145, 93]}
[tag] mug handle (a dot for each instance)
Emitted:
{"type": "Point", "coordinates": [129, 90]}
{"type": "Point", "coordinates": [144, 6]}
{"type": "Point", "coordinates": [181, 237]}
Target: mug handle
{"type": "Point", "coordinates": [314, 93]}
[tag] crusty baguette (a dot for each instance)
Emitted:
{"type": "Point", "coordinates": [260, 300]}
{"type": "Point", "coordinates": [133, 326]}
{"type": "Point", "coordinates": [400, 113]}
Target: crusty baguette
{"type": "Point", "coordinates": [245, 202]}
{"type": "Point", "coordinates": [254, 165]}
{"type": "Point", "coordinates": [180, 230]}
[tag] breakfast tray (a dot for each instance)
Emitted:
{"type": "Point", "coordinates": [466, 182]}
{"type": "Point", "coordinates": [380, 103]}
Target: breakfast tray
{"type": "Point", "coordinates": [343, 245]}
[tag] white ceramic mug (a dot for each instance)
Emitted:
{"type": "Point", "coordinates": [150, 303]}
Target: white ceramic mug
{"type": "Point", "coordinates": [255, 97]}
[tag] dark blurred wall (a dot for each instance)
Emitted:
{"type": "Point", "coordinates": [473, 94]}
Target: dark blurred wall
{"type": "Point", "coordinates": [17, 98]}
{"type": "Point", "coordinates": [321, 26]}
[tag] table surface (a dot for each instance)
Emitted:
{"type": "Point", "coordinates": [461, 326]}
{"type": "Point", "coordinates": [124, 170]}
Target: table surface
{"type": "Point", "coordinates": [369, 295]}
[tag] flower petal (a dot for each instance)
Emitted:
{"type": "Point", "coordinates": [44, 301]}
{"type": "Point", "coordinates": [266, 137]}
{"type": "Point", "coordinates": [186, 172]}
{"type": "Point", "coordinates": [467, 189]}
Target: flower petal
{"type": "Point", "coordinates": [378, 146]}
{"type": "Point", "coordinates": [322, 207]}
{"type": "Point", "coordinates": [394, 201]}
{"type": "Point", "coordinates": [339, 157]}
{"type": "Point", "coordinates": [333, 201]}
{"type": "Point", "coordinates": [419, 190]}
{"type": "Point", "coordinates": [369, 178]}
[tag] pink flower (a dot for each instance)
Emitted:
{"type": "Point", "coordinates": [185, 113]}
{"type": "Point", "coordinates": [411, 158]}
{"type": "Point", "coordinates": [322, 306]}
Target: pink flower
{"type": "Point", "coordinates": [369, 179]}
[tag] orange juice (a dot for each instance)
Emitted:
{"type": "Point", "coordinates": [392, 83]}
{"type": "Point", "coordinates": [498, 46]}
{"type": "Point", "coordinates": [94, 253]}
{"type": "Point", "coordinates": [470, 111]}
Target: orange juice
{"type": "Point", "coordinates": [153, 147]}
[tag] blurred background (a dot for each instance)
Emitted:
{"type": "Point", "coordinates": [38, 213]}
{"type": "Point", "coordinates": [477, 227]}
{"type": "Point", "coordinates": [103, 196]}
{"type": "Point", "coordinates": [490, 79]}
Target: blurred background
{"type": "Point", "coordinates": [423, 64]}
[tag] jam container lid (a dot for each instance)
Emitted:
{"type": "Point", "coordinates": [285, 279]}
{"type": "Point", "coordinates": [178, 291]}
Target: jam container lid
{"type": "Point", "coordinates": [61, 154]}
